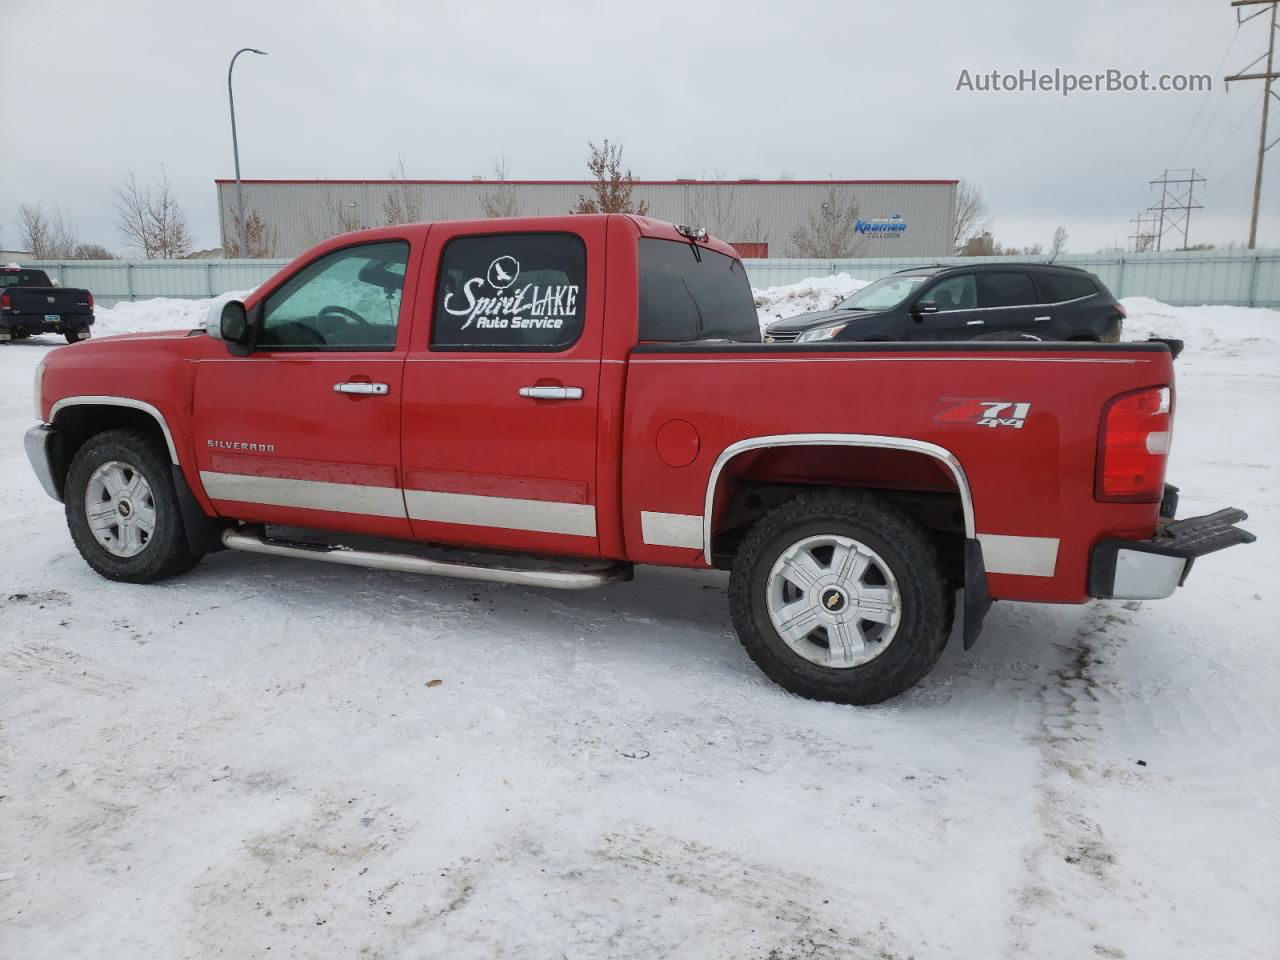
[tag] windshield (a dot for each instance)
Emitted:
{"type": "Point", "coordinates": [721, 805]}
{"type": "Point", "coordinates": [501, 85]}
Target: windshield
{"type": "Point", "coordinates": [688, 293]}
{"type": "Point", "coordinates": [884, 294]}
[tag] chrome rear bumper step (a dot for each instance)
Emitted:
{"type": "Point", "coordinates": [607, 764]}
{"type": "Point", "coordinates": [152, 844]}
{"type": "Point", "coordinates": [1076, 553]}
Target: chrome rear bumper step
{"type": "Point", "coordinates": [561, 579]}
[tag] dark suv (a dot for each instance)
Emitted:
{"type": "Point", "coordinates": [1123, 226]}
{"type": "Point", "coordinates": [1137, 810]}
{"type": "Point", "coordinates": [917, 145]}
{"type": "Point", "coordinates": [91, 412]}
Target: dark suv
{"type": "Point", "coordinates": [978, 301]}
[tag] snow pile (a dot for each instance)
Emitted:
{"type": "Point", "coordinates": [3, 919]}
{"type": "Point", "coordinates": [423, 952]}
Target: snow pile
{"type": "Point", "coordinates": [159, 313]}
{"type": "Point", "coordinates": [804, 296]}
{"type": "Point", "coordinates": [1222, 333]}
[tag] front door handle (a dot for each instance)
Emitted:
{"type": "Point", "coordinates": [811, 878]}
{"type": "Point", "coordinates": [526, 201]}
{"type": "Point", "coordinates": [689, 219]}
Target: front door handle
{"type": "Point", "coordinates": [361, 388]}
{"type": "Point", "coordinates": [552, 393]}
{"type": "Point", "coordinates": [974, 323]}
{"type": "Point", "coordinates": [1041, 319]}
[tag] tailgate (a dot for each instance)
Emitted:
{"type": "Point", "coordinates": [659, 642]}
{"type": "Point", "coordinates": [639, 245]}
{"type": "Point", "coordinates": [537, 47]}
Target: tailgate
{"type": "Point", "coordinates": [47, 300]}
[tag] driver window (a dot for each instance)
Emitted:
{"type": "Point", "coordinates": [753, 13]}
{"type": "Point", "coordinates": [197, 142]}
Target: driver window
{"type": "Point", "coordinates": [955, 293]}
{"type": "Point", "coordinates": [347, 300]}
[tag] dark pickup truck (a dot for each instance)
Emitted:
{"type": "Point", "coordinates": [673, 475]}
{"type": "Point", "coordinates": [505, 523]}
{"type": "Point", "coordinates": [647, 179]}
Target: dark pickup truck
{"type": "Point", "coordinates": [31, 304]}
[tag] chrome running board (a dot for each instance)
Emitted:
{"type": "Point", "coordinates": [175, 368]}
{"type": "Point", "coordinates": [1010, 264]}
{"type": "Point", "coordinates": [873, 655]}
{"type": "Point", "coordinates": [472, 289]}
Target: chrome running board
{"type": "Point", "coordinates": [562, 579]}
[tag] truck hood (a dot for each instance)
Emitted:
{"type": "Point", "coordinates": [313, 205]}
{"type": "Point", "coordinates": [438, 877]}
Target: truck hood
{"type": "Point", "coordinates": [807, 321]}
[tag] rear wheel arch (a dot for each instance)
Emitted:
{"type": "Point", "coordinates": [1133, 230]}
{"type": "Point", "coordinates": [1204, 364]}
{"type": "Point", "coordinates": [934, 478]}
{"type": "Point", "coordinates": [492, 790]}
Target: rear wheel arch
{"type": "Point", "coordinates": [722, 486]}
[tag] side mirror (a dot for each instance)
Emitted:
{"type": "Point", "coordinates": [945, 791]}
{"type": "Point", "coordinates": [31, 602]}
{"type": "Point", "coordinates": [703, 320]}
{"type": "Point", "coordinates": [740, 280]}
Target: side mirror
{"type": "Point", "coordinates": [232, 323]}
{"type": "Point", "coordinates": [926, 306]}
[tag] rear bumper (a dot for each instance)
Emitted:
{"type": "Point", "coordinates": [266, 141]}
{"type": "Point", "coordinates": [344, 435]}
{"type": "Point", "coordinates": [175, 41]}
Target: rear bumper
{"type": "Point", "coordinates": [1153, 569]}
{"type": "Point", "coordinates": [39, 442]}
{"type": "Point", "coordinates": [34, 323]}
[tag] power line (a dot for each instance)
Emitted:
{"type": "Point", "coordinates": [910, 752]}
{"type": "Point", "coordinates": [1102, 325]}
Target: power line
{"type": "Point", "coordinates": [1205, 99]}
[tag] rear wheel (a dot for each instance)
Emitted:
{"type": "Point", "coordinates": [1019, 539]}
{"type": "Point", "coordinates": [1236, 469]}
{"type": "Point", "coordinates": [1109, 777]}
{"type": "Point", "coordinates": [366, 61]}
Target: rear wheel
{"type": "Point", "coordinates": [840, 596]}
{"type": "Point", "coordinates": [71, 336]}
{"type": "Point", "coordinates": [122, 509]}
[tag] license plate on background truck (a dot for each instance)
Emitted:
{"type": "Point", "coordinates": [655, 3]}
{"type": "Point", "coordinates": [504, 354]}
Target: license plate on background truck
{"type": "Point", "coordinates": [53, 318]}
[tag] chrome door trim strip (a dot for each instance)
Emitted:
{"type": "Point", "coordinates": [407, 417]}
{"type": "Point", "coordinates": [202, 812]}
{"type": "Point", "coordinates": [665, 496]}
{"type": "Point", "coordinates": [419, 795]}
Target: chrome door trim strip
{"type": "Point", "coordinates": [508, 513]}
{"type": "Point", "coordinates": [907, 444]}
{"type": "Point", "coordinates": [305, 494]}
{"type": "Point", "coordinates": [128, 402]}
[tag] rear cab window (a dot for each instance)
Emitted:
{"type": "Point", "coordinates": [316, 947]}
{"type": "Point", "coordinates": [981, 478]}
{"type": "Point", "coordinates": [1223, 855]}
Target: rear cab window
{"type": "Point", "coordinates": [690, 293]}
{"type": "Point", "coordinates": [24, 278]}
{"type": "Point", "coordinates": [510, 291]}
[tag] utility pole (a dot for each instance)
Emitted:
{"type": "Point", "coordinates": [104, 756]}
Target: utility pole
{"type": "Point", "coordinates": [1177, 200]}
{"type": "Point", "coordinates": [235, 148]}
{"type": "Point", "coordinates": [1267, 77]}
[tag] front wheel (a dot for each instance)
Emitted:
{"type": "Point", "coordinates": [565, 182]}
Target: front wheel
{"type": "Point", "coordinates": [840, 596]}
{"type": "Point", "coordinates": [123, 511]}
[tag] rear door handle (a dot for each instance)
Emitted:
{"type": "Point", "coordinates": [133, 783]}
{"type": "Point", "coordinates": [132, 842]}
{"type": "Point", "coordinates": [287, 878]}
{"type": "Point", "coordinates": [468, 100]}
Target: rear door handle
{"type": "Point", "coordinates": [974, 323]}
{"type": "Point", "coordinates": [364, 389]}
{"type": "Point", "coordinates": [552, 393]}
{"type": "Point", "coordinates": [1041, 319]}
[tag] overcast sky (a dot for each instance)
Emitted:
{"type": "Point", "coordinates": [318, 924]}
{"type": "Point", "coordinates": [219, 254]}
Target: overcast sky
{"type": "Point", "coordinates": [855, 88]}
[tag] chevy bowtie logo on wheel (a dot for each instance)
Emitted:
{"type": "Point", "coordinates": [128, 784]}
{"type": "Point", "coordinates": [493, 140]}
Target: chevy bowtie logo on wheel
{"type": "Point", "coordinates": [502, 272]}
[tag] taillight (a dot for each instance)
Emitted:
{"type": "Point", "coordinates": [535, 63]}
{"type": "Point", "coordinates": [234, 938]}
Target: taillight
{"type": "Point", "coordinates": [91, 301]}
{"type": "Point", "coordinates": [1134, 446]}
{"type": "Point", "coordinates": [1124, 314]}
{"type": "Point", "coordinates": [5, 302]}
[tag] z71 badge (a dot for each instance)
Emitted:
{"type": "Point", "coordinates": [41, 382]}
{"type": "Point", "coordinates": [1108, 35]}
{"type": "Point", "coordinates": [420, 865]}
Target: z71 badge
{"type": "Point", "coordinates": [986, 413]}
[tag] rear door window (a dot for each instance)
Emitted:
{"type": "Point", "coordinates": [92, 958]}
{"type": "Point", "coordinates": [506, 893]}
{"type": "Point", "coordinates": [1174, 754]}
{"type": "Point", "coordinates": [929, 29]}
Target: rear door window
{"type": "Point", "coordinates": [1058, 287]}
{"type": "Point", "coordinates": [510, 291]}
{"type": "Point", "coordinates": [1008, 290]}
{"type": "Point", "coordinates": [689, 293]}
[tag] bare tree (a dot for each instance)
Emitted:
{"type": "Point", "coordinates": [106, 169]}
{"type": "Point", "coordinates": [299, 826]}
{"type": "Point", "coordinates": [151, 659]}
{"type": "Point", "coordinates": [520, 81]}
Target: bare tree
{"type": "Point", "coordinates": [48, 236]}
{"type": "Point", "coordinates": [149, 219]}
{"type": "Point", "coordinates": [1058, 244]}
{"type": "Point", "coordinates": [972, 214]}
{"type": "Point", "coordinates": [34, 230]}
{"type": "Point", "coordinates": [400, 206]}
{"type": "Point", "coordinates": [91, 251]}
{"type": "Point", "coordinates": [828, 231]}
{"type": "Point", "coordinates": [715, 205]}
{"type": "Point", "coordinates": [331, 218]}
{"type": "Point", "coordinates": [612, 187]}
{"type": "Point", "coordinates": [261, 239]}
{"type": "Point", "coordinates": [500, 201]}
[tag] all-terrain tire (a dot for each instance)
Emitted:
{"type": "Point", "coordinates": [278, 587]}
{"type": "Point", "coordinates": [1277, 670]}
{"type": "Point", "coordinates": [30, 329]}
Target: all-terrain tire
{"type": "Point", "coordinates": [903, 546]}
{"type": "Point", "coordinates": [165, 553]}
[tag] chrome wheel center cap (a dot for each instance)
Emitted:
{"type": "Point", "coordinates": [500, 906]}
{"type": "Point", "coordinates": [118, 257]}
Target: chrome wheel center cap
{"type": "Point", "coordinates": [123, 508]}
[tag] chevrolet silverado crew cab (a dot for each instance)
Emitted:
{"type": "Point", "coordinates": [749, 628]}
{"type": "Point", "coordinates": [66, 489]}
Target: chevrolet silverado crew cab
{"type": "Point", "coordinates": [575, 396]}
{"type": "Point", "coordinates": [30, 304]}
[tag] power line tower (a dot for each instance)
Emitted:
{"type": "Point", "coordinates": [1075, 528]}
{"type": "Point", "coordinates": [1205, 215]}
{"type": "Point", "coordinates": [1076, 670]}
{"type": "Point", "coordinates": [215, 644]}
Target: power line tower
{"type": "Point", "coordinates": [1267, 77]}
{"type": "Point", "coordinates": [1177, 200]}
{"type": "Point", "coordinates": [1145, 230]}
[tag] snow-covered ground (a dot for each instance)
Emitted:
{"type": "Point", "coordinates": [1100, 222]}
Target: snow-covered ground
{"type": "Point", "coordinates": [253, 761]}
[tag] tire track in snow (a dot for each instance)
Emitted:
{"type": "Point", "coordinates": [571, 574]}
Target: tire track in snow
{"type": "Point", "coordinates": [1069, 863]}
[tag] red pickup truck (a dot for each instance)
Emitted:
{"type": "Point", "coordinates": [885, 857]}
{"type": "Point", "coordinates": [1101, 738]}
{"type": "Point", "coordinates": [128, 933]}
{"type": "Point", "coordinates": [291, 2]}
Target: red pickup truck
{"type": "Point", "coordinates": [579, 395]}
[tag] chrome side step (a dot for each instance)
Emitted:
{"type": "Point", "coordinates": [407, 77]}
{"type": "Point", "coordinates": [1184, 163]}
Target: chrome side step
{"type": "Point", "coordinates": [565, 579]}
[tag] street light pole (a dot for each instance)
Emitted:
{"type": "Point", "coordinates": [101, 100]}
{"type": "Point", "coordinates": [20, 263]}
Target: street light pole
{"type": "Point", "coordinates": [235, 146]}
